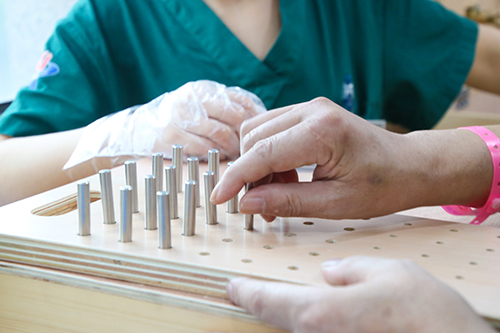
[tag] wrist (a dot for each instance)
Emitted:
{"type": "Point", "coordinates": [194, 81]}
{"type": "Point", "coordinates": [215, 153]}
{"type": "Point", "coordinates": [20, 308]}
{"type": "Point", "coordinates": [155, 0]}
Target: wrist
{"type": "Point", "coordinates": [451, 167]}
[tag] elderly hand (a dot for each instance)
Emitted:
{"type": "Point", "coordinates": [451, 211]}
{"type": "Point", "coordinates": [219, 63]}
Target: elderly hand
{"type": "Point", "coordinates": [362, 171]}
{"type": "Point", "coordinates": [366, 295]}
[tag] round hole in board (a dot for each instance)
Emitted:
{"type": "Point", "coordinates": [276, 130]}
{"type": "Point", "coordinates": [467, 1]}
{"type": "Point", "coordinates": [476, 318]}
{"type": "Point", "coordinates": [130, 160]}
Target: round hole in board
{"type": "Point", "coordinates": [247, 261]}
{"type": "Point", "coordinates": [376, 247]}
{"type": "Point", "coordinates": [349, 229]}
{"type": "Point", "coordinates": [227, 240]}
{"type": "Point", "coordinates": [408, 224]}
{"type": "Point", "coordinates": [473, 263]}
{"type": "Point", "coordinates": [439, 242]}
{"type": "Point", "coordinates": [453, 230]}
{"type": "Point", "coordinates": [290, 234]}
{"type": "Point", "coordinates": [459, 277]}
{"type": "Point", "coordinates": [268, 247]}
{"type": "Point", "coordinates": [490, 250]}
{"type": "Point", "coordinates": [495, 146]}
{"type": "Point", "coordinates": [425, 255]}
{"type": "Point", "coordinates": [204, 253]}
{"type": "Point", "coordinates": [393, 236]}
{"type": "Point", "coordinates": [308, 223]}
{"type": "Point", "coordinates": [293, 268]}
{"type": "Point", "coordinates": [331, 241]}
{"type": "Point", "coordinates": [314, 254]}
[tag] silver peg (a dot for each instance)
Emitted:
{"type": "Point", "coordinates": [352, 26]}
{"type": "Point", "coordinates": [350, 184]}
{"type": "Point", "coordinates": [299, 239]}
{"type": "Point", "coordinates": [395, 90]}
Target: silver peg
{"type": "Point", "coordinates": [83, 204]}
{"type": "Point", "coordinates": [210, 208]}
{"type": "Point", "coordinates": [232, 205]}
{"type": "Point", "coordinates": [193, 164]}
{"type": "Point", "coordinates": [131, 180]}
{"type": "Point", "coordinates": [213, 163]}
{"type": "Point", "coordinates": [108, 208]}
{"type": "Point", "coordinates": [164, 235]}
{"type": "Point", "coordinates": [188, 227]}
{"type": "Point", "coordinates": [158, 170]}
{"type": "Point", "coordinates": [150, 222]}
{"type": "Point", "coordinates": [171, 177]}
{"type": "Point", "coordinates": [126, 214]}
{"type": "Point", "coordinates": [177, 155]}
{"type": "Point", "coordinates": [248, 218]}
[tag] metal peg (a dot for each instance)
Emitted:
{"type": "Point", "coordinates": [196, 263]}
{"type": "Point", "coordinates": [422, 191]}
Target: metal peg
{"type": "Point", "coordinates": [188, 227]}
{"type": "Point", "coordinates": [232, 205]}
{"type": "Point", "coordinates": [158, 170]}
{"type": "Point", "coordinates": [194, 174]}
{"type": "Point", "coordinates": [108, 208]}
{"type": "Point", "coordinates": [131, 180]}
{"type": "Point", "coordinates": [177, 155]}
{"type": "Point", "coordinates": [150, 222]}
{"type": "Point", "coordinates": [126, 214]}
{"type": "Point", "coordinates": [213, 163]}
{"type": "Point", "coordinates": [248, 218]}
{"type": "Point", "coordinates": [210, 208]}
{"type": "Point", "coordinates": [171, 177]}
{"type": "Point", "coordinates": [83, 204]}
{"type": "Point", "coordinates": [164, 235]}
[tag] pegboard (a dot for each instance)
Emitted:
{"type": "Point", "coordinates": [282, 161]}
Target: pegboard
{"type": "Point", "coordinates": [289, 249]}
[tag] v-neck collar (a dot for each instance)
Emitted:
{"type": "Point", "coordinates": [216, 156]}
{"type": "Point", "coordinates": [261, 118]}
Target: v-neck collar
{"type": "Point", "coordinates": [266, 78]}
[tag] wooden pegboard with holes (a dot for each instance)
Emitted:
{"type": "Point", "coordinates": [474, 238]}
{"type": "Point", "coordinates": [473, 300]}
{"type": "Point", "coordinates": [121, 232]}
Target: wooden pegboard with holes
{"type": "Point", "coordinates": [463, 256]}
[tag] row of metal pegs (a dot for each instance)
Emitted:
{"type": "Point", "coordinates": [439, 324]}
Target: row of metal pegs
{"type": "Point", "coordinates": [160, 210]}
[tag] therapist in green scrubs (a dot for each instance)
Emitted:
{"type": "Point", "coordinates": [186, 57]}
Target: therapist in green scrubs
{"type": "Point", "coordinates": [401, 61]}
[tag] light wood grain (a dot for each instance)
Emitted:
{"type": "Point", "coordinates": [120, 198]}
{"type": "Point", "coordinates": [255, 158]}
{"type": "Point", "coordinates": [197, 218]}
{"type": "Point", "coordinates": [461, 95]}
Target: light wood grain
{"type": "Point", "coordinates": [463, 256]}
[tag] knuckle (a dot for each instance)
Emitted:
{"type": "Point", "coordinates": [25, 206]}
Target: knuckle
{"type": "Point", "coordinates": [256, 304]}
{"type": "Point", "coordinates": [315, 317]}
{"type": "Point", "coordinates": [245, 127]}
{"type": "Point", "coordinates": [247, 141]}
{"type": "Point", "coordinates": [291, 205]}
{"type": "Point", "coordinates": [264, 147]}
{"type": "Point", "coordinates": [321, 101]}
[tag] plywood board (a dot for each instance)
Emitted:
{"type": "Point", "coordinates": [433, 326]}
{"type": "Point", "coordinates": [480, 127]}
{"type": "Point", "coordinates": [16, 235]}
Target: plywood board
{"type": "Point", "coordinates": [464, 256]}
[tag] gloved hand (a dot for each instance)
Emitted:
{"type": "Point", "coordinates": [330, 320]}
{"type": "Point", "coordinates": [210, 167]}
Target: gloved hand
{"type": "Point", "coordinates": [200, 115]}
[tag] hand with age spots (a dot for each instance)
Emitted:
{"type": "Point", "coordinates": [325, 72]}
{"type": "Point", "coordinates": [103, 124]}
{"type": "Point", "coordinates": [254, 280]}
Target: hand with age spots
{"type": "Point", "coordinates": [365, 295]}
{"type": "Point", "coordinates": [362, 171]}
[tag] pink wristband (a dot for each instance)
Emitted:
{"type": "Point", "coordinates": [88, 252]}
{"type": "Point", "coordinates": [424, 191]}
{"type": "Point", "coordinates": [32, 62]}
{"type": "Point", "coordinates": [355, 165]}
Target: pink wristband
{"type": "Point", "coordinates": [492, 205]}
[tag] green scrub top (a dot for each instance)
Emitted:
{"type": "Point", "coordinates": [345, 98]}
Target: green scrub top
{"type": "Point", "coordinates": [400, 60]}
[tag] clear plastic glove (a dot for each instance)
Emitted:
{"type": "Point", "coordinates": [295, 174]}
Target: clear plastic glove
{"type": "Point", "coordinates": [200, 115]}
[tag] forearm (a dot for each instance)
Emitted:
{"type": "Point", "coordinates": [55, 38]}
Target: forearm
{"type": "Point", "coordinates": [485, 72]}
{"type": "Point", "coordinates": [450, 167]}
{"type": "Point", "coordinates": [31, 165]}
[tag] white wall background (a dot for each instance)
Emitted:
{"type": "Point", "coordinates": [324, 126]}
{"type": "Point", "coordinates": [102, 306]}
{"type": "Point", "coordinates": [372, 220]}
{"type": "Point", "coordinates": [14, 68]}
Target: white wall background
{"type": "Point", "coordinates": [25, 26]}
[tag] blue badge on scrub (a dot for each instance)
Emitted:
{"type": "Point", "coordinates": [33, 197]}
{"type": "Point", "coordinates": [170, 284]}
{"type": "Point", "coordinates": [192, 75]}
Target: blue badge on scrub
{"type": "Point", "coordinates": [348, 94]}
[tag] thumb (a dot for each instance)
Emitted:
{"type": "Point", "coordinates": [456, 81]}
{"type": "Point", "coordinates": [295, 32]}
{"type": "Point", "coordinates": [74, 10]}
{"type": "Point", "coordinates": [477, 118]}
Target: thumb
{"type": "Point", "coordinates": [356, 269]}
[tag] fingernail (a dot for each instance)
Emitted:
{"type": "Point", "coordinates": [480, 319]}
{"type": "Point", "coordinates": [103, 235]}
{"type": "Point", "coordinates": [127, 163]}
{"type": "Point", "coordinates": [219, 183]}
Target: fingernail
{"type": "Point", "coordinates": [213, 196]}
{"type": "Point", "coordinates": [253, 206]}
{"type": "Point", "coordinates": [330, 263]}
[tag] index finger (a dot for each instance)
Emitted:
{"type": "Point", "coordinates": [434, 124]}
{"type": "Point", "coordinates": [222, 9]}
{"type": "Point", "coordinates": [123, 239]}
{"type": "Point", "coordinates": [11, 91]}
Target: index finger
{"type": "Point", "coordinates": [281, 152]}
{"type": "Point", "coordinates": [255, 122]}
